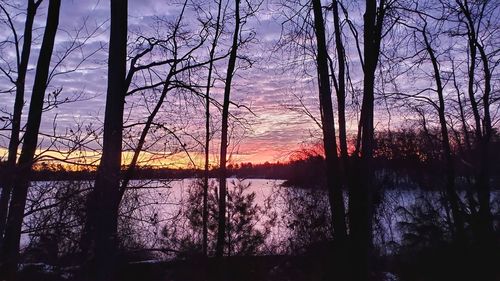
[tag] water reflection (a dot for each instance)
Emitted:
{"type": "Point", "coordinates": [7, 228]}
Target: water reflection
{"type": "Point", "coordinates": [162, 219]}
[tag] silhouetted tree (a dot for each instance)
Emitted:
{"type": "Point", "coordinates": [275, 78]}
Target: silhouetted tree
{"type": "Point", "coordinates": [105, 198]}
{"type": "Point", "coordinates": [221, 230]}
{"type": "Point", "coordinates": [360, 193]}
{"type": "Point", "coordinates": [339, 82]}
{"type": "Point", "coordinates": [475, 23]}
{"type": "Point", "coordinates": [30, 143]}
{"type": "Point", "coordinates": [328, 126]}
{"type": "Point", "coordinates": [426, 38]}
{"type": "Point", "coordinates": [217, 32]}
{"type": "Point", "coordinates": [22, 59]}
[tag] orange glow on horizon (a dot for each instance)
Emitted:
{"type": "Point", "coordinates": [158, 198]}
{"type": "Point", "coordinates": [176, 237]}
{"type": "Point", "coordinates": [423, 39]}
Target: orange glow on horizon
{"type": "Point", "coordinates": [256, 152]}
{"type": "Point", "coordinates": [181, 160]}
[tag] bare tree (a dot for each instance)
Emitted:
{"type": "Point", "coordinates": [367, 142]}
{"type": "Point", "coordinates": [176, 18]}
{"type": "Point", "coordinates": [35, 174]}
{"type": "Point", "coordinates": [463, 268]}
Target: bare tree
{"type": "Point", "coordinates": [445, 140]}
{"type": "Point", "coordinates": [360, 195]}
{"type": "Point", "coordinates": [104, 200]}
{"type": "Point", "coordinates": [328, 126]}
{"type": "Point", "coordinates": [472, 16]}
{"type": "Point", "coordinates": [217, 30]}
{"type": "Point", "coordinates": [20, 190]}
{"type": "Point", "coordinates": [423, 39]}
{"type": "Point", "coordinates": [180, 65]}
{"type": "Point", "coordinates": [361, 175]}
{"type": "Point", "coordinates": [22, 57]}
{"type": "Point", "coordinates": [221, 229]}
{"type": "Point", "coordinates": [477, 21]}
{"type": "Point", "coordinates": [339, 82]}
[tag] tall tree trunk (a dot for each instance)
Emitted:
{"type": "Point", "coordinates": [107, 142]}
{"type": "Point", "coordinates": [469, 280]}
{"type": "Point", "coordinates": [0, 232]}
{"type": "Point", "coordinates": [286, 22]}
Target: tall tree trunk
{"type": "Point", "coordinates": [472, 52]}
{"type": "Point", "coordinates": [483, 130]}
{"type": "Point", "coordinates": [453, 199]}
{"type": "Point", "coordinates": [360, 208]}
{"type": "Point", "coordinates": [341, 91]}
{"type": "Point", "coordinates": [221, 229]}
{"type": "Point", "coordinates": [105, 198]}
{"type": "Point", "coordinates": [20, 190]}
{"type": "Point", "coordinates": [335, 196]}
{"type": "Point", "coordinates": [483, 180]}
{"type": "Point", "coordinates": [207, 132]}
{"type": "Point", "coordinates": [467, 143]}
{"type": "Point", "coordinates": [335, 169]}
{"type": "Point", "coordinates": [22, 68]}
{"type": "Point", "coordinates": [486, 234]}
{"type": "Point", "coordinates": [472, 69]}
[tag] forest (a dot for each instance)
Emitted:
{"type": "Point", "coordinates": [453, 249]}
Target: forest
{"type": "Point", "coordinates": [250, 140]}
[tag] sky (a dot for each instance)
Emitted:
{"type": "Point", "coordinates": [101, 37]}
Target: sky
{"type": "Point", "coordinates": [274, 96]}
{"type": "Point", "coordinates": [268, 89]}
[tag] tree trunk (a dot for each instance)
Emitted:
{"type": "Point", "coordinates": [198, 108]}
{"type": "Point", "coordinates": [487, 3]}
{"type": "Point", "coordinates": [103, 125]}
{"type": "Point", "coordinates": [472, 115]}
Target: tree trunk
{"type": "Point", "coordinates": [105, 198]}
{"type": "Point", "coordinates": [486, 234]}
{"type": "Point", "coordinates": [483, 180]}
{"type": "Point", "coordinates": [458, 222]}
{"type": "Point", "coordinates": [341, 91]}
{"type": "Point", "coordinates": [483, 130]}
{"type": "Point", "coordinates": [207, 132]}
{"type": "Point", "coordinates": [221, 229]}
{"type": "Point", "coordinates": [16, 117]}
{"type": "Point", "coordinates": [20, 190]}
{"type": "Point", "coordinates": [360, 208]}
{"type": "Point", "coordinates": [335, 196]}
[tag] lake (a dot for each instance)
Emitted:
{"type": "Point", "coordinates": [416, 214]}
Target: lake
{"type": "Point", "coordinates": [266, 218]}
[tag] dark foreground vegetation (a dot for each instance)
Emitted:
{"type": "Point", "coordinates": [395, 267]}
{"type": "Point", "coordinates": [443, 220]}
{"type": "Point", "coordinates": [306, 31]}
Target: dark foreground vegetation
{"type": "Point", "coordinates": [420, 247]}
{"type": "Point", "coordinates": [401, 96]}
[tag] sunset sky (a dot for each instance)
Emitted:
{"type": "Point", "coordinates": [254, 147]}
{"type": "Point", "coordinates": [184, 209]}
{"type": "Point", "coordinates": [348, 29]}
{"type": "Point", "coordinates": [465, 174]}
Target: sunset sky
{"type": "Point", "coordinates": [268, 88]}
{"type": "Point", "coordinates": [280, 83]}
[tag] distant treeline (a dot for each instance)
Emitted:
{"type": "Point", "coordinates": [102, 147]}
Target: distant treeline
{"type": "Point", "coordinates": [404, 158]}
{"type": "Point", "coordinates": [284, 171]}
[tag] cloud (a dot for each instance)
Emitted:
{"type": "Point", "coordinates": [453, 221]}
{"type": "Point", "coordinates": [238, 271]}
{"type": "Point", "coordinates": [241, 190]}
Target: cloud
{"type": "Point", "coordinates": [264, 88]}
